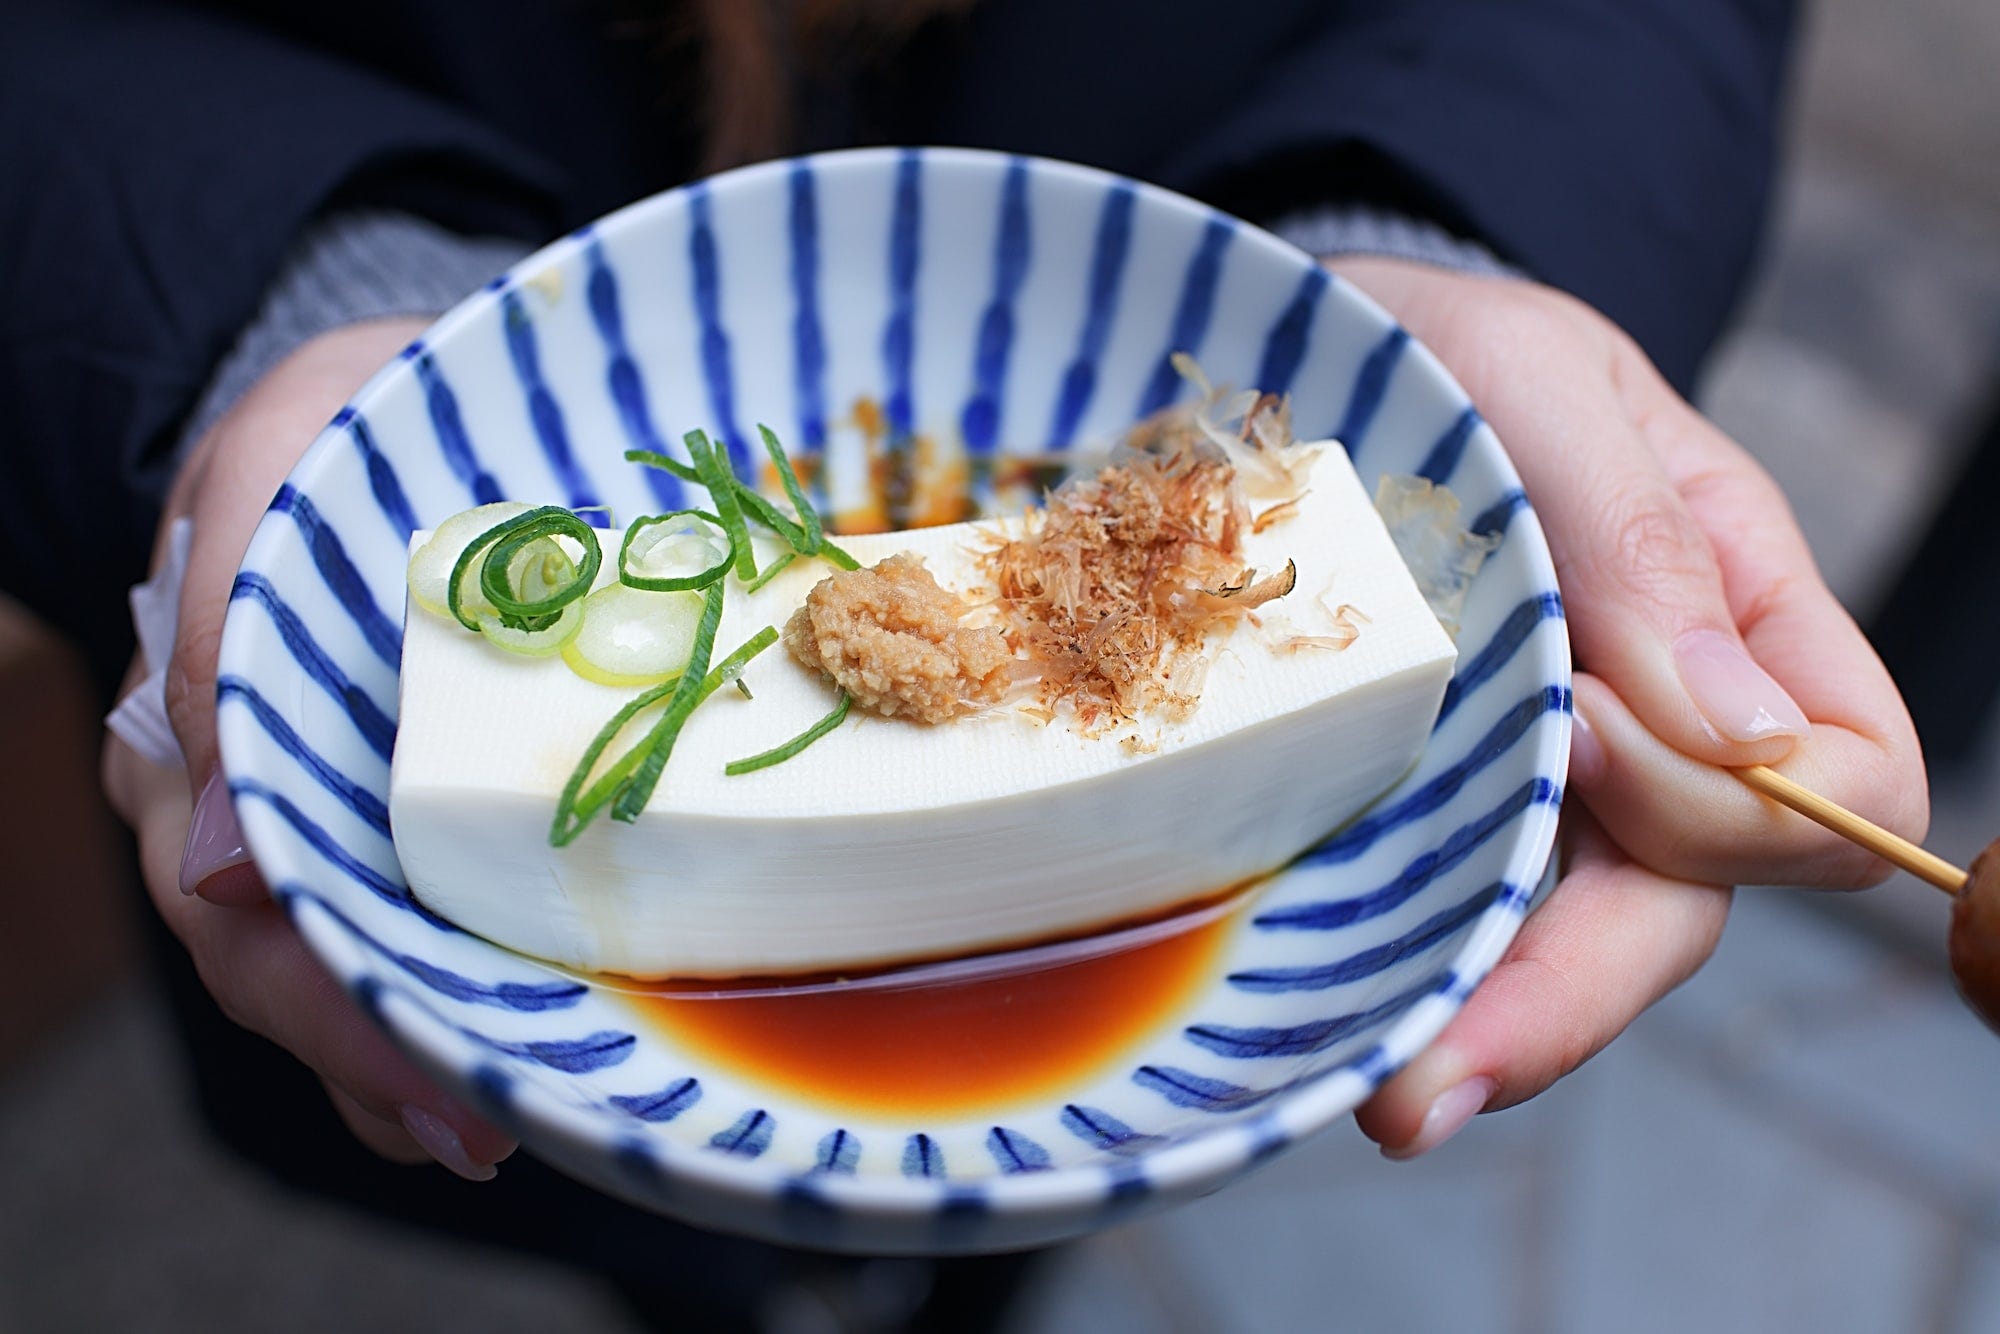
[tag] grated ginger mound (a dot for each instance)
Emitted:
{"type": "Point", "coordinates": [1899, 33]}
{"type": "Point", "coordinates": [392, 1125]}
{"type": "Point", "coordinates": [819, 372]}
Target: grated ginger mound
{"type": "Point", "coordinates": [890, 636]}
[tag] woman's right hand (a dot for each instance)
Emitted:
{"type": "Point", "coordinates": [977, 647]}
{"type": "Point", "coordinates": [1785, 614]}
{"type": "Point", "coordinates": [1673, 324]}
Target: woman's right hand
{"type": "Point", "coordinates": [192, 859]}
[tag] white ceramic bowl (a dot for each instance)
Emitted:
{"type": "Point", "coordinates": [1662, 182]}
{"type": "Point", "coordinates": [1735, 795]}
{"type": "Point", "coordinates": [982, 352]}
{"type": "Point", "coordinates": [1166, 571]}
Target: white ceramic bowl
{"type": "Point", "coordinates": [1014, 304]}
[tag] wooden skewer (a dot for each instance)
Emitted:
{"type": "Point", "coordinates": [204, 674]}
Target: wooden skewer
{"type": "Point", "coordinates": [1898, 851]}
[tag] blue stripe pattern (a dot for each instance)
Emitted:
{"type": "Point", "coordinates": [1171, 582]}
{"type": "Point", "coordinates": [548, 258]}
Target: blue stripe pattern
{"type": "Point", "coordinates": [520, 997]}
{"type": "Point", "coordinates": [543, 410]}
{"type": "Point", "coordinates": [354, 796]}
{"type": "Point", "coordinates": [1250, 1044]}
{"type": "Point", "coordinates": [1107, 270]}
{"type": "Point", "coordinates": [748, 1136]}
{"type": "Point", "coordinates": [330, 558]}
{"type": "Point", "coordinates": [330, 848]}
{"type": "Point", "coordinates": [1442, 461]}
{"type": "Point", "coordinates": [922, 1157]}
{"type": "Point", "coordinates": [1331, 915]}
{"type": "Point", "coordinates": [979, 422]}
{"type": "Point", "coordinates": [1371, 386]}
{"type": "Point", "coordinates": [899, 336]}
{"type": "Point", "coordinates": [375, 726]}
{"type": "Point", "coordinates": [837, 1153]}
{"type": "Point", "coordinates": [663, 1105]}
{"type": "Point", "coordinates": [453, 442]}
{"type": "Point", "coordinates": [1435, 931]}
{"type": "Point", "coordinates": [1435, 793]}
{"type": "Point", "coordinates": [382, 480]}
{"type": "Point", "coordinates": [1498, 651]}
{"type": "Point", "coordinates": [622, 378]}
{"type": "Point", "coordinates": [1191, 315]}
{"type": "Point", "coordinates": [716, 369]}
{"type": "Point", "coordinates": [1016, 1152]}
{"type": "Point", "coordinates": [1285, 345]}
{"type": "Point", "coordinates": [808, 338]}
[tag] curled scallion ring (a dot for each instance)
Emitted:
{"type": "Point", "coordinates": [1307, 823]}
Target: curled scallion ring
{"type": "Point", "coordinates": [675, 583]}
{"type": "Point", "coordinates": [505, 540]}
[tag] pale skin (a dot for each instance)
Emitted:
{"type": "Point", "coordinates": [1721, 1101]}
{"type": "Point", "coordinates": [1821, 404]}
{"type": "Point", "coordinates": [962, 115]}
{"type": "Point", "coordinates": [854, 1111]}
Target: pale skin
{"type": "Point", "coordinates": [1661, 528]}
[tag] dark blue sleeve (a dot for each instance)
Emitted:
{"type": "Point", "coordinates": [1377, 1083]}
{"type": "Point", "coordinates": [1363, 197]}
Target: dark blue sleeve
{"type": "Point", "coordinates": [159, 161]}
{"type": "Point", "coordinates": [1619, 149]}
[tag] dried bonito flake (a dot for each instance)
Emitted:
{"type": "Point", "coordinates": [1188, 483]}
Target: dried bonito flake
{"type": "Point", "coordinates": [1117, 582]}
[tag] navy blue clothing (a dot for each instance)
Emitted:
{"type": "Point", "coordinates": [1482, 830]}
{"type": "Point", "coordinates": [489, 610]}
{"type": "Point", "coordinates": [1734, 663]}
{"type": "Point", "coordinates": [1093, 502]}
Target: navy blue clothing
{"type": "Point", "coordinates": [160, 156]}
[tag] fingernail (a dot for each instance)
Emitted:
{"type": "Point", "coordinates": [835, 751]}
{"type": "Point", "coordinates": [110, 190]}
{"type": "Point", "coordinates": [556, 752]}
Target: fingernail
{"type": "Point", "coordinates": [1739, 698]}
{"type": "Point", "coordinates": [441, 1142]}
{"type": "Point", "coordinates": [1587, 760]}
{"type": "Point", "coordinates": [1447, 1116]}
{"type": "Point", "coordinates": [214, 843]}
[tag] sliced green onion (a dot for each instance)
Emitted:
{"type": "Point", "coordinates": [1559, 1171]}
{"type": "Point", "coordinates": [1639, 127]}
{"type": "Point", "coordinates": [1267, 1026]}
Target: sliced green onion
{"type": "Point", "coordinates": [516, 599]}
{"type": "Point", "coordinates": [633, 638]}
{"type": "Point", "coordinates": [771, 571]}
{"type": "Point", "coordinates": [659, 743]}
{"type": "Point", "coordinates": [764, 512]}
{"type": "Point", "coordinates": [579, 805]}
{"type": "Point", "coordinates": [571, 816]}
{"type": "Point", "coordinates": [779, 754]}
{"type": "Point", "coordinates": [653, 458]}
{"type": "Point", "coordinates": [554, 637]}
{"type": "Point", "coordinates": [808, 516]}
{"type": "Point", "coordinates": [754, 507]}
{"type": "Point", "coordinates": [722, 487]}
{"type": "Point", "coordinates": [693, 540]}
{"type": "Point", "coordinates": [431, 564]}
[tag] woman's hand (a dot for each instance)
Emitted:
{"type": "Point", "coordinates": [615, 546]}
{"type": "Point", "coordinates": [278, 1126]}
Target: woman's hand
{"type": "Point", "coordinates": [191, 853]}
{"type": "Point", "coordinates": [1704, 638]}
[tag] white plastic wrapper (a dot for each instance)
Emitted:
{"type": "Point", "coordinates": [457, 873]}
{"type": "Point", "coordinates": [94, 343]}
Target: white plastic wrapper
{"type": "Point", "coordinates": [140, 720]}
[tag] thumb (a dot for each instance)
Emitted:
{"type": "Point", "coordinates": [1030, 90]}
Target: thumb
{"type": "Point", "coordinates": [1648, 609]}
{"type": "Point", "coordinates": [227, 483]}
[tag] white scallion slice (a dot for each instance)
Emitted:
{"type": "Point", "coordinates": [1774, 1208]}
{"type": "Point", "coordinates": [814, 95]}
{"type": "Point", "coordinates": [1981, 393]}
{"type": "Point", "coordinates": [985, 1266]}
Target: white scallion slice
{"type": "Point", "coordinates": [632, 637]}
{"type": "Point", "coordinates": [431, 563]}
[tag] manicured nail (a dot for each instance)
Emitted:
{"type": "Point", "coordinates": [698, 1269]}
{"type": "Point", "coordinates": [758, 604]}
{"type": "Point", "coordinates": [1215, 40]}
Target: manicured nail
{"type": "Point", "coordinates": [441, 1142]}
{"type": "Point", "coordinates": [1739, 698]}
{"type": "Point", "coordinates": [1448, 1115]}
{"type": "Point", "coordinates": [1587, 760]}
{"type": "Point", "coordinates": [214, 843]}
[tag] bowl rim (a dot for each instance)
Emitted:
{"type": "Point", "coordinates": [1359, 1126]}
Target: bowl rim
{"type": "Point", "coordinates": [1204, 1158]}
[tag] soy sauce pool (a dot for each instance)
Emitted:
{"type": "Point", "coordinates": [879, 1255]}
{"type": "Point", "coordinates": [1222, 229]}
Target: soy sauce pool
{"type": "Point", "coordinates": [949, 1039]}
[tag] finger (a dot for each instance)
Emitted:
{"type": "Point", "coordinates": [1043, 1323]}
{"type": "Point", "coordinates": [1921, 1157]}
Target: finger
{"type": "Point", "coordinates": [1611, 939]}
{"type": "Point", "coordinates": [229, 485]}
{"type": "Point", "coordinates": [1789, 618]}
{"type": "Point", "coordinates": [384, 1140]}
{"type": "Point", "coordinates": [1647, 607]}
{"type": "Point", "coordinates": [1697, 822]}
{"type": "Point", "coordinates": [258, 970]}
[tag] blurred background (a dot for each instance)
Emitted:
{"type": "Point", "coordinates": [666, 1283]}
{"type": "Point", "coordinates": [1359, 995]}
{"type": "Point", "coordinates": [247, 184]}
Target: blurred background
{"type": "Point", "coordinates": [1803, 1138]}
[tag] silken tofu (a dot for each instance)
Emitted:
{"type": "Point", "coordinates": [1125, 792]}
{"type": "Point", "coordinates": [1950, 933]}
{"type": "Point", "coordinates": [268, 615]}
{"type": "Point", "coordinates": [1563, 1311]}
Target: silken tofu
{"type": "Point", "coordinates": [891, 840]}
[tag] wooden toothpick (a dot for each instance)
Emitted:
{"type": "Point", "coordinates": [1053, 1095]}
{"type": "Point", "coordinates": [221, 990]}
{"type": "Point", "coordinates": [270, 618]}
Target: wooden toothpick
{"type": "Point", "coordinates": [1897, 851]}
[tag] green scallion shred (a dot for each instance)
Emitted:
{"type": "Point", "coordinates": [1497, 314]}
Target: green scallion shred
{"type": "Point", "coordinates": [779, 754]}
{"type": "Point", "coordinates": [574, 808]}
{"type": "Point", "coordinates": [743, 688]}
{"type": "Point", "coordinates": [653, 458]}
{"type": "Point", "coordinates": [755, 508]}
{"type": "Point", "coordinates": [771, 571]}
{"type": "Point", "coordinates": [808, 516]}
{"type": "Point", "coordinates": [722, 487]}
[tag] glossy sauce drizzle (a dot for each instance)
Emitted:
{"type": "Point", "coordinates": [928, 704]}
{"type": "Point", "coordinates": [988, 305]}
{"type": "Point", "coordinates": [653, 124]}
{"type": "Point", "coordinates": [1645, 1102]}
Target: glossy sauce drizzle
{"type": "Point", "coordinates": [950, 1046]}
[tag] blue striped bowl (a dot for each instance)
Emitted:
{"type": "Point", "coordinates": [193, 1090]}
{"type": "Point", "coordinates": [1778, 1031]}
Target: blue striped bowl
{"type": "Point", "coordinates": [1007, 304]}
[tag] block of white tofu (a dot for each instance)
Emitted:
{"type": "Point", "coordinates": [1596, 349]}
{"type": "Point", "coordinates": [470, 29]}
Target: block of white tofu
{"type": "Point", "coordinates": [891, 840]}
